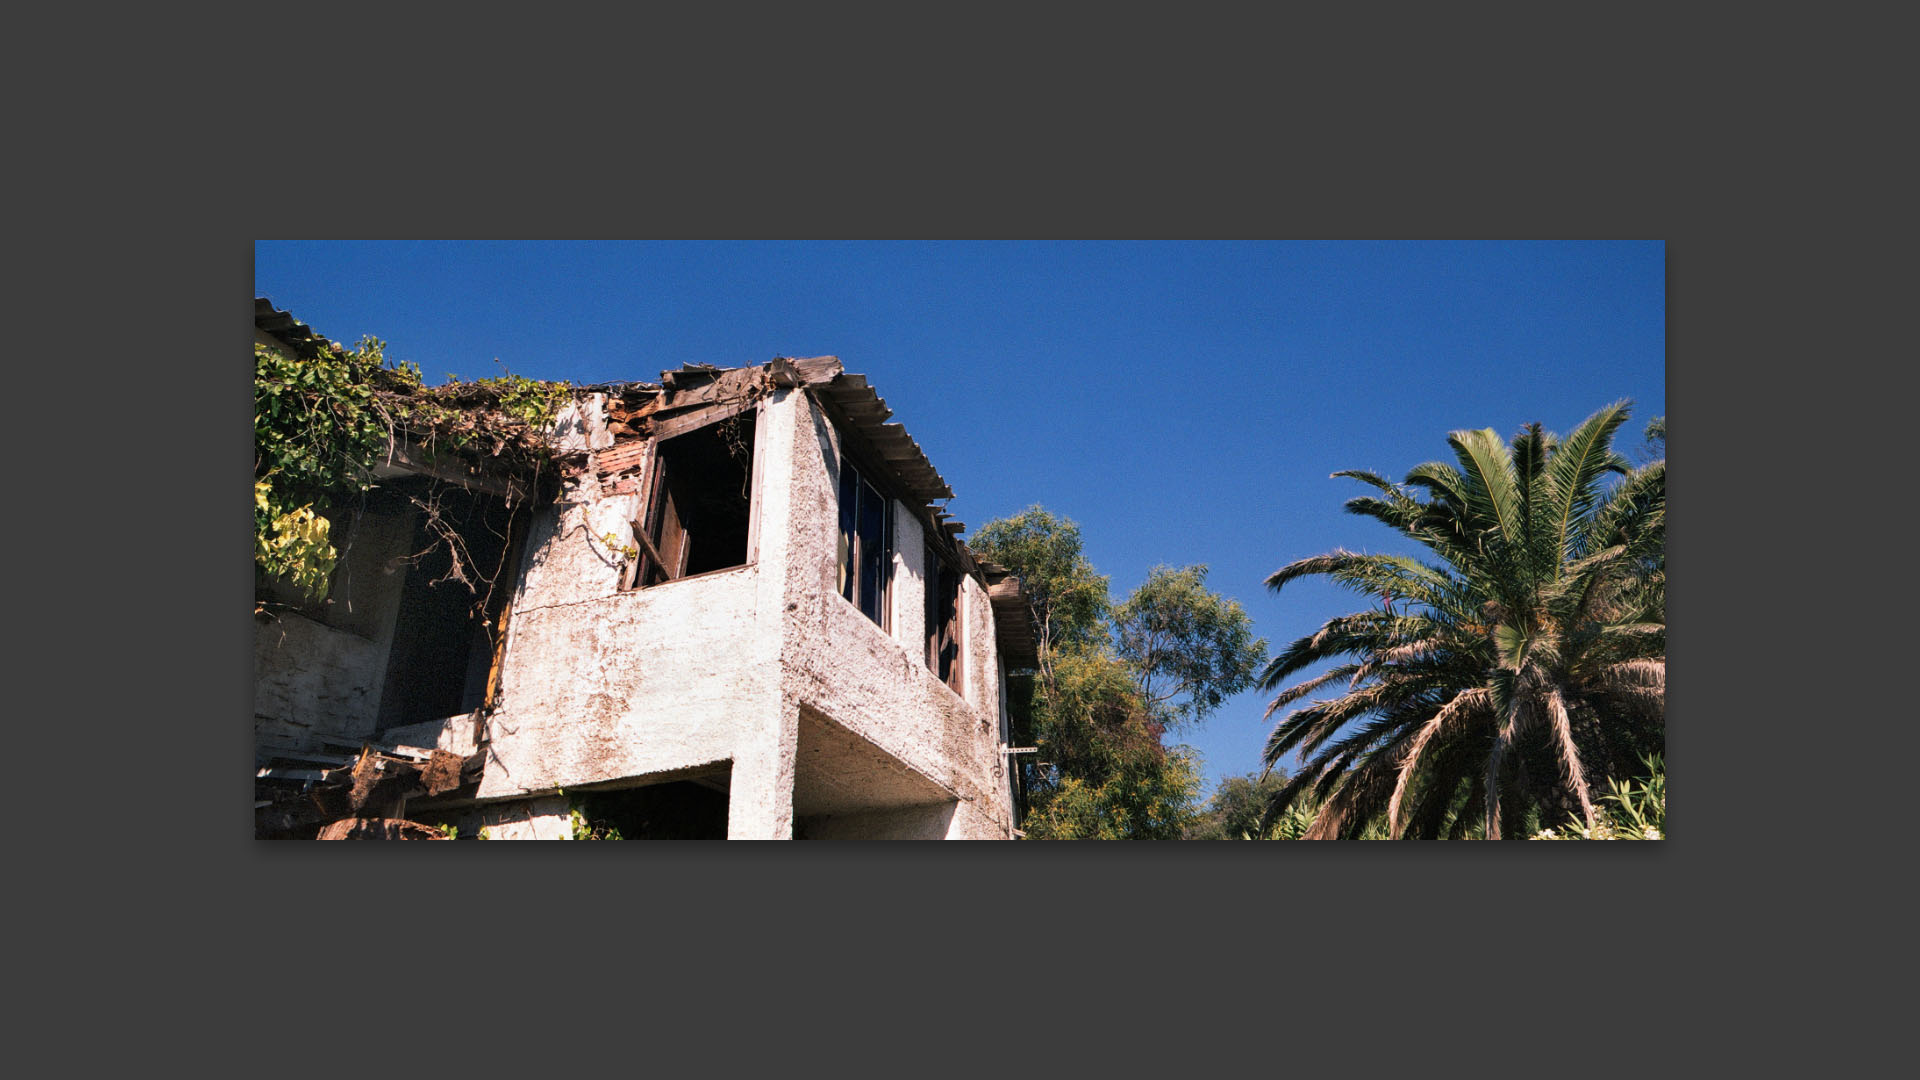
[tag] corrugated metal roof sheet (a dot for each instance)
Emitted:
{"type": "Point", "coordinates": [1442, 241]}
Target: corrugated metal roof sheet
{"type": "Point", "coordinates": [867, 412]}
{"type": "Point", "coordinates": [287, 330]}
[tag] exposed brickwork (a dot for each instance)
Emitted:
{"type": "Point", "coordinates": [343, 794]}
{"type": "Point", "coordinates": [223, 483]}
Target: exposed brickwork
{"type": "Point", "coordinates": [623, 456]}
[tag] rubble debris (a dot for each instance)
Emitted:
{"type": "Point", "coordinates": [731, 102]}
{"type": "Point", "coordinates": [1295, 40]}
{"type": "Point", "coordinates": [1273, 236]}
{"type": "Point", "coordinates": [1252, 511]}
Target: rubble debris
{"type": "Point", "coordinates": [442, 773]}
{"type": "Point", "coordinates": [380, 829]}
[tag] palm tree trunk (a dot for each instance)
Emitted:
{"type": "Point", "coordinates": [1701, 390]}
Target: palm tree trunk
{"type": "Point", "coordinates": [1493, 779]}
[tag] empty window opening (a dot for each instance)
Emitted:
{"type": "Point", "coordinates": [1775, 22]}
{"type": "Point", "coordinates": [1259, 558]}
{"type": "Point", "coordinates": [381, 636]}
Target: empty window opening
{"type": "Point", "coordinates": [699, 503]}
{"type": "Point", "coordinates": [866, 546]}
{"type": "Point", "coordinates": [677, 810]}
{"type": "Point", "coordinates": [943, 620]}
{"type": "Point", "coordinates": [443, 632]}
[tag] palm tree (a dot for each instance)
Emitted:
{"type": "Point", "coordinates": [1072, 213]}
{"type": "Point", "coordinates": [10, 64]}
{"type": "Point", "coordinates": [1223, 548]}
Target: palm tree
{"type": "Point", "coordinates": [1524, 665]}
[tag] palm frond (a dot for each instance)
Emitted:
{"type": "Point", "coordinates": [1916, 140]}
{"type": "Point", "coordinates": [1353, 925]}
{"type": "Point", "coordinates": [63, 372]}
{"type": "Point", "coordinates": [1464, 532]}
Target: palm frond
{"type": "Point", "coordinates": [1569, 754]}
{"type": "Point", "coordinates": [1477, 698]}
{"type": "Point", "coordinates": [1574, 473]}
{"type": "Point", "coordinates": [1368, 476]}
{"type": "Point", "coordinates": [1492, 494]}
{"type": "Point", "coordinates": [1630, 675]}
{"type": "Point", "coordinates": [1299, 690]}
{"type": "Point", "coordinates": [1312, 564]}
{"type": "Point", "coordinates": [1633, 514]}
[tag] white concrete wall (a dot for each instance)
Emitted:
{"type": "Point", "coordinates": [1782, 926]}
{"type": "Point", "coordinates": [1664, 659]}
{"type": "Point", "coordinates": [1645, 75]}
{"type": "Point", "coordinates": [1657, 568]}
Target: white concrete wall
{"type": "Point", "coordinates": [599, 684]}
{"type": "Point", "coordinates": [527, 819]}
{"type": "Point", "coordinates": [839, 663]}
{"type": "Point", "coordinates": [311, 678]}
{"type": "Point", "coordinates": [602, 686]}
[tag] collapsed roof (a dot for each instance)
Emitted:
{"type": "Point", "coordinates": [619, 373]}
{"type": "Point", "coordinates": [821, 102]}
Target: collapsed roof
{"type": "Point", "coordinates": [700, 393]}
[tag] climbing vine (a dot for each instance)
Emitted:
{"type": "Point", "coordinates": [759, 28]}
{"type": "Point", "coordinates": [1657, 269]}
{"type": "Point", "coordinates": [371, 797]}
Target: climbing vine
{"type": "Point", "coordinates": [322, 423]}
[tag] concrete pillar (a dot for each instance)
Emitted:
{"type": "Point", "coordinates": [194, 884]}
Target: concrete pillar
{"type": "Point", "coordinates": [760, 794]}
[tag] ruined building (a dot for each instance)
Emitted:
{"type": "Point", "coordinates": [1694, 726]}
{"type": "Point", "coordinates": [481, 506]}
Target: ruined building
{"type": "Point", "coordinates": [731, 607]}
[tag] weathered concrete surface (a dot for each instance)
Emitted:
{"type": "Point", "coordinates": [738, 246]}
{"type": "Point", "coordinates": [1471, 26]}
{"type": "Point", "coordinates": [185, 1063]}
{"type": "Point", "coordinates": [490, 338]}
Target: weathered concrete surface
{"type": "Point", "coordinates": [528, 819]}
{"type": "Point", "coordinates": [599, 684]}
{"type": "Point", "coordinates": [311, 678]}
{"type": "Point", "coordinates": [456, 735]}
{"type": "Point", "coordinates": [839, 664]}
{"type": "Point", "coordinates": [751, 665]}
{"type": "Point", "coordinates": [582, 426]}
{"type": "Point", "coordinates": [934, 822]}
{"type": "Point", "coordinates": [626, 684]}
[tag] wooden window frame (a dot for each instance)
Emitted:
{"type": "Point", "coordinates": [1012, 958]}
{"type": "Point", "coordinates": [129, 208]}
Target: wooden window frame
{"type": "Point", "coordinates": [661, 530]}
{"type": "Point", "coordinates": [855, 546]}
{"type": "Point", "coordinates": [946, 648]}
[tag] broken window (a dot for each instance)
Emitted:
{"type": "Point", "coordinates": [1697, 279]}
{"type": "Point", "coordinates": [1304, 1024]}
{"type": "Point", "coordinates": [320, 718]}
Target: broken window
{"type": "Point", "coordinates": [943, 619]}
{"type": "Point", "coordinates": [866, 546]}
{"type": "Point", "coordinates": [699, 503]}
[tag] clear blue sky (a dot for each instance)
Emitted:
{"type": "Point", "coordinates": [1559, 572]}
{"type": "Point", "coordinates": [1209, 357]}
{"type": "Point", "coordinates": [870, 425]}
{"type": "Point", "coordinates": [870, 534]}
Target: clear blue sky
{"type": "Point", "coordinates": [1184, 402]}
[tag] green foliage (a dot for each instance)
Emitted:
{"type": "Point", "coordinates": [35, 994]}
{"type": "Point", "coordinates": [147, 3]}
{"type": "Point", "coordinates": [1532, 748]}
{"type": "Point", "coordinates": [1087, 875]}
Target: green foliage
{"type": "Point", "coordinates": [1132, 803]}
{"type": "Point", "coordinates": [1529, 661]}
{"type": "Point", "coordinates": [1190, 649]}
{"type": "Point", "coordinates": [581, 827]}
{"type": "Point", "coordinates": [1069, 599]}
{"type": "Point", "coordinates": [321, 424]}
{"type": "Point", "coordinates": [1237, 807]}
{"type": "Point", "coordinates": [293, 544]}
{"type": "Point", "coordinates": [530, 402]}
{"type": "Point", "coordinates": [1631, 809]}
{"type": "Point", "coordinates": [316, 431]}
{"type": "Point", "coordinates": [1107, 691]}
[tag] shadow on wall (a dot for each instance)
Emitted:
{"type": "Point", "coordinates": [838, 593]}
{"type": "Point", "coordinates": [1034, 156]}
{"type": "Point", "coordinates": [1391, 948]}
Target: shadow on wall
{"type": "Point", "coordinates": [902, 823]}
{"type": "Point", "coordinates": [678, 810]}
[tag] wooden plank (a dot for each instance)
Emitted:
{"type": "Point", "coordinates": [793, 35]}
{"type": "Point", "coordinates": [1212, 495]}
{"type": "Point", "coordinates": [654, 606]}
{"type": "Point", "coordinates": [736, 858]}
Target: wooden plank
{"type": "Point", "coordinates": [680, 425]}
{"type": "Point", "coordinates": [818, 369]}
{"type": "Point", "coordinates": [291, 774]}
{"type": "Point", "coordinates": [404, 454]}
{"type": "Point", "coordinates": [337, 761]}
{"type": "Point", "coordinates": [369, 744]}
{"type": "Point", "coordinates": [654, 553]}
{"type": "Point", "coordinates": [781, 372]}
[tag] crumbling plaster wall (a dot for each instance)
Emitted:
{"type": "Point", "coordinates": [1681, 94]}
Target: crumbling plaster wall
{"type": "Point", "coordinates": [600, 686]}
{"type": "Point", "coordinates": [526, 819]}
{"type": "Point", "coordinates": [874, 683]}
{"type": "Point", "coordinates": [311, 678]}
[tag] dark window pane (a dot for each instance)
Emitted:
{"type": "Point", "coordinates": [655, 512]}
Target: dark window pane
{"type": "Point", "coordinates": [849, 503]}
{"type": "Point", "coordinates": [873, 551]}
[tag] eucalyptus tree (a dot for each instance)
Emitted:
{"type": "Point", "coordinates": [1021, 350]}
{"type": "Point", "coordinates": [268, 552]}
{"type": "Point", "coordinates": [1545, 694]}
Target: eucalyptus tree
{"type": "Point", "coordinates": [1190, 649]}
{"type": "Point", "coordinates": [1113, 679]}
{"type": "Point", "coordinates": [1526, 659]}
